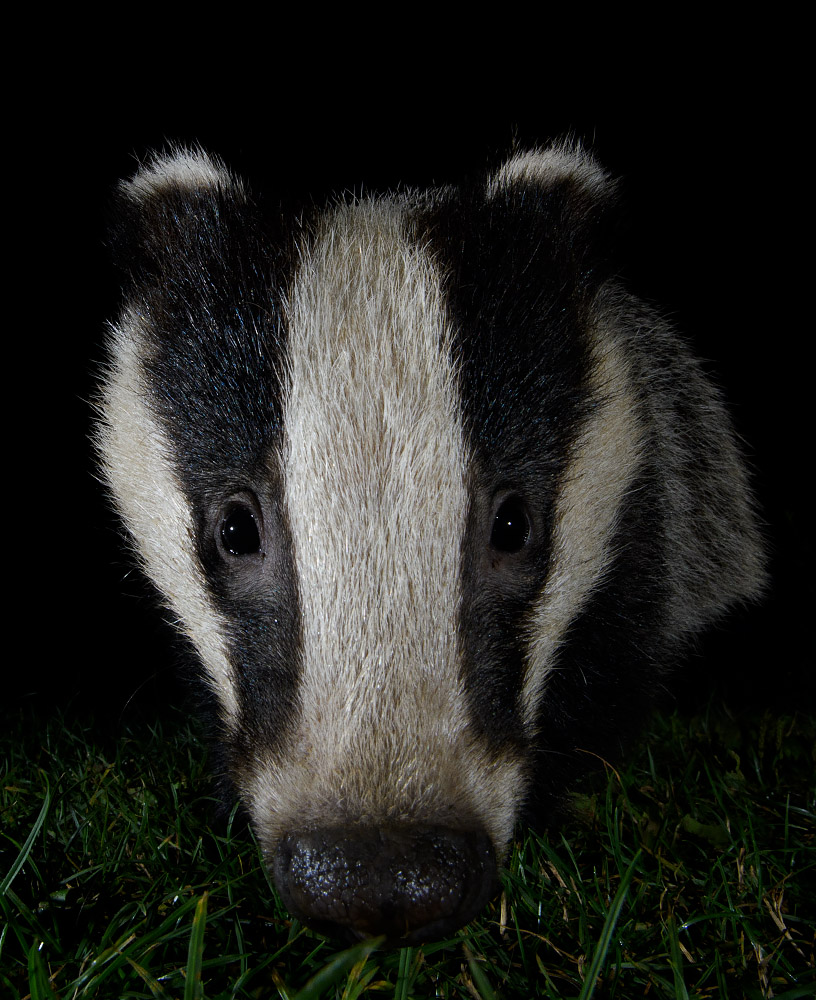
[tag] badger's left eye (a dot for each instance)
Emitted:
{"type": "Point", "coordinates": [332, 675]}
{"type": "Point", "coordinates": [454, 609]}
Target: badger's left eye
{"type": "Point", "coordinates": [511, 526]}
{"type": "Point", "coordinates": [239, 532]}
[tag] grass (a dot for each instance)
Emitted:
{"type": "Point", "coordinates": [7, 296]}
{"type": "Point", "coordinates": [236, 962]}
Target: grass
{"type": "Point", "coordinates": [690, 874]}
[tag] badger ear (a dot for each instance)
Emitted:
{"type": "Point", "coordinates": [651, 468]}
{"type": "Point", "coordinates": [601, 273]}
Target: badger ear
{"type": "Point", "coordinates": [171, 210]}
{"type": "Point", "coordinates": [566, 197]}
{"type": "Point", "coordinates": [565, 165]}
{"type": "Point", "coordinates": [178, 171]}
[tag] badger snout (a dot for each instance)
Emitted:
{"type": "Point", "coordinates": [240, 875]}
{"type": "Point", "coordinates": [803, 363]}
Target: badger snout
{"type": "Point", "coordinates": [410, 884]}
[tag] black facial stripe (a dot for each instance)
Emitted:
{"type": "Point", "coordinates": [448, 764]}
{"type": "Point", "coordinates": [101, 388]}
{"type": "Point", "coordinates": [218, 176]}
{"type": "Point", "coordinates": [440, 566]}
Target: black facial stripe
{"type": "Point", "coordinates": [217, 340]}
{"type": "Point", "coordinates": [518, 303]}
{"type": "Point", "coordinates": [615, 658]}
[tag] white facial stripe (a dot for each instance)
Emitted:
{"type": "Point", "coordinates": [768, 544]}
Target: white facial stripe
{"type": "Point", "coordinates": [604, 462]}
{"type": "Point", "coordinates": [374, 470]}
{"type": "Point", "coordinates": [141, 477]}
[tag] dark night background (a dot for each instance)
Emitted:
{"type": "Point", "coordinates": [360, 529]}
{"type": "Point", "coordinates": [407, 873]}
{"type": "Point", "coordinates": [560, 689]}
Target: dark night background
{"type": "Point", "coordinates": [712, 205]}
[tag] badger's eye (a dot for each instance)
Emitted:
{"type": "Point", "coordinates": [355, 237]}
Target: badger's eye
{"type": "Point", "coordinates": [239, 532]}
{"type": "Point", "coordinates": [511, 526]}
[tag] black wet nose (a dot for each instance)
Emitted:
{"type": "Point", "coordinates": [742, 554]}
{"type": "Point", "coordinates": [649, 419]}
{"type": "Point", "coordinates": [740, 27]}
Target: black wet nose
{"type": "Point", "coordinates": [411, 884]}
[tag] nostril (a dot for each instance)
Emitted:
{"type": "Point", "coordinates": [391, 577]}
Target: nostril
{"type": "Point", "coordinates": [410, 884]}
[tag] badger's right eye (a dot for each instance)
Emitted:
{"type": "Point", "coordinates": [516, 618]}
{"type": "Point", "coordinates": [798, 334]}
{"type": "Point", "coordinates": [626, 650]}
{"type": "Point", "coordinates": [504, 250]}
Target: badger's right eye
{"type": "Point", "coordinates": [511, 526]}
{"type": "Point", "coordinates": [239, 532]}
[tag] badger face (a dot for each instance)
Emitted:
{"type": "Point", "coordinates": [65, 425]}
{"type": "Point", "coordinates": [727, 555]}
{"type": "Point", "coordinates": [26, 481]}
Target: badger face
{"type": "Point", "coordinates": [434, 500]}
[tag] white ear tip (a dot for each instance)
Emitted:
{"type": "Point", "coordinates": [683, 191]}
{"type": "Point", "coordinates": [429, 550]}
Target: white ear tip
{"type": "Point", "coordinates": [181, 170]}
{"type": "Point", "coordinates": [552, 165]}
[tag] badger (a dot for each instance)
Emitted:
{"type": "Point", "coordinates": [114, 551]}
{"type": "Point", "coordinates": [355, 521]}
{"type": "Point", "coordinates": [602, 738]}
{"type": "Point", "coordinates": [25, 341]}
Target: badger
{"type": "Point", "coordinates": [436, 500]}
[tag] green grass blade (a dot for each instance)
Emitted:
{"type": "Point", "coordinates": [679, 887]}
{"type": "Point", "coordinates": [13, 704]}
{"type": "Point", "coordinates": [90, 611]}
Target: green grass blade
{"type": "Point", "coordinates": [676, 961]}
{"type": "Point", "coordinates": [799, 993]}
{"type": "Point", "coordinates": [193, 987]}
{"type": "Point", "coordinates": [484, 988]}
{"type": "Point", "coordinates": [605, 939]}
{"type": "Point", "coordinates": [403, 987]}
{"type": "Point", "coordinates": [331, 972]}
{"type": "Point", "coordinates": [150, 981]}
{"type": "Point", "coordinates": [38, 981]}
{"type": "Point", "coordinates": [29, 842]}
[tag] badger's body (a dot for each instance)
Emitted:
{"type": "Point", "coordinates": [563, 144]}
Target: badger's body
{"type": "Point", "coordinates": [436, 501]}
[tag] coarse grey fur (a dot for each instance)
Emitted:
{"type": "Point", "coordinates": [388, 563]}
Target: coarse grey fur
{"type": "Point", "coordinates": [493, 497]}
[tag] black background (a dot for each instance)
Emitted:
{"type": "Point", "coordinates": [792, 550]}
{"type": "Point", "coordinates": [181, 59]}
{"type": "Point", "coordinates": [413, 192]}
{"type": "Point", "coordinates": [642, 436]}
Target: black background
{"type": "Point", "coordinates": [713, 187]}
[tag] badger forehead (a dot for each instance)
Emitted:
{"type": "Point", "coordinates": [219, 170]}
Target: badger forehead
{"type": "Point", "coordinates": [373, 462]}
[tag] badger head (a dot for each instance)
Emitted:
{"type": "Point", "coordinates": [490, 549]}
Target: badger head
{"type": "Point", "coordinates": [434, 500]}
